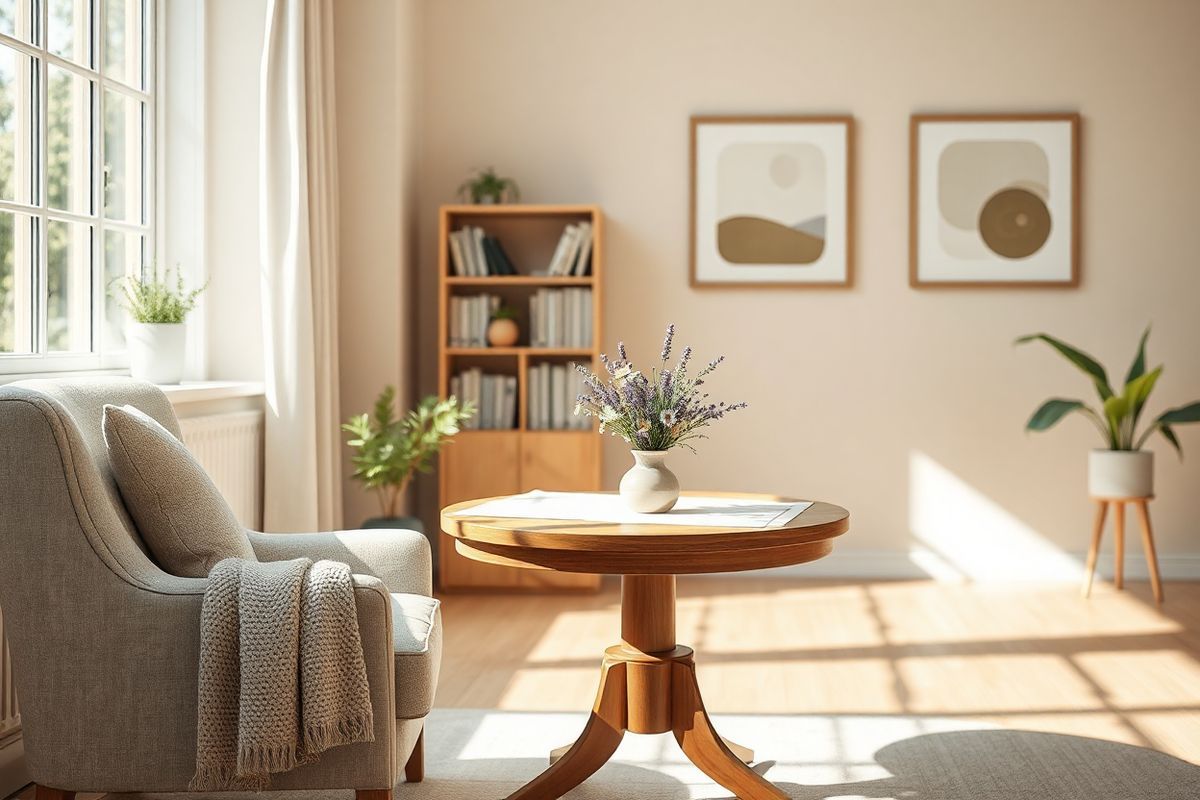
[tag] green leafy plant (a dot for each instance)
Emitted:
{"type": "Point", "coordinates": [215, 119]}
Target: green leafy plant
{"type": "Point", "coordinates": [1118, 416]}
{"type": "Point", "coordinates": [390, 449]}
{"type": "Point", "coordinates": [154, 299]}
{"type": "Point", "coordinates": [488, 186]}
{"type": "Point", "coordinates": [505, 312]}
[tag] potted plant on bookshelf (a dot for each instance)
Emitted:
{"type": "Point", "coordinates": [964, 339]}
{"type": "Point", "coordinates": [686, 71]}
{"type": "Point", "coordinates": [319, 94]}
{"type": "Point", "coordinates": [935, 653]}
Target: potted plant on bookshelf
{"type": "Point", "coordinates": [503, 330]}
{"type": "Point", "coordinates": [389, 449]}
{"type": "Point", "coordinates": [652, 413]}
{"type": "Point", "coordinates": [488, 188]}
{"type": "Point", "coordinates": [1121, 468]}
{"type": "Point", "coordinates": [156, 334]}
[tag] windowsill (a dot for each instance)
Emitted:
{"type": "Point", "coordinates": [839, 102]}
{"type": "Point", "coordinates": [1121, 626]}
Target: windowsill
{"type": "Point", "coordinates": [206, 391]}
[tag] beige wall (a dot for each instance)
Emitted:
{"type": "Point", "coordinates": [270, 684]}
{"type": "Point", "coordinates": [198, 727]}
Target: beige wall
{"type": "Point", "coordinates": [905, 406]}
{"type": "Point", "coordinates": [376, 50]}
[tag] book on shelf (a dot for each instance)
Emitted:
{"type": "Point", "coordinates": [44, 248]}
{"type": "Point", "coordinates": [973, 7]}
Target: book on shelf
{"type": "Point", "coordinates": [494, 398]}
{"type": "Point", "coordinates": [573, 251]}
{"type": "Point", "coordinates": [474, 254]}
{"type": "Point", "coordinates": [553, 391]}
{"type": "Point", "coordinates": [561, 318]}
{"type": "Point", "coordinates": [469, 318]}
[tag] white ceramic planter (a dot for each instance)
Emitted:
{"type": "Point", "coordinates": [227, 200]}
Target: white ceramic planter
{"type": "Point", "coordinates": [649, 487]}
{"type": "Point", "coordinates": [1121, 473]}
{"type": "Point", "coordinates": [157, 351]}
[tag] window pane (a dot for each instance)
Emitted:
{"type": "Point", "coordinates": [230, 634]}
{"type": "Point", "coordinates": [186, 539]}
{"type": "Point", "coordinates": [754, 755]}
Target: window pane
{"type": "Point", "coordinates": [16, 125]}
{"type": "Point", "coordinates": [122, 256]}
{"type": "Point", "coordinates": [68, 30]}
{"type": "Point", "coordinates": [122, 156]}
{"type": "Point", "coordinates": [16, 270]}
{"type": "Point", "coordinates": [123, 41]}
{"type": "Point", "coordinates": [68, 141]}
{"type": "Point", "coordinates": [16, 19]}
{"type": "Point", "coordinates": [68, 278]}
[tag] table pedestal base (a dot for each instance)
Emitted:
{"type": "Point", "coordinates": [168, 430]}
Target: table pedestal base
{"type": "Point", "coordinates": [649, 692]}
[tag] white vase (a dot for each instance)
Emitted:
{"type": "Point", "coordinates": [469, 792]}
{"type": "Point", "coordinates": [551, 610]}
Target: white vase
{"type": "Point", "coordinates": [1121, 473]}
{"type": "Point", "coordinates": [156, 351]}
{"type": "Point", "coordinates": [649, 487]}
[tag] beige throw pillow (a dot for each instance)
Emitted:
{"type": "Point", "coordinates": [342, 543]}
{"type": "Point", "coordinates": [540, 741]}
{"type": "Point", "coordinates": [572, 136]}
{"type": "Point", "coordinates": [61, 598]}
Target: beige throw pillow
{"type": "Point", "coordinates": [178, 510]}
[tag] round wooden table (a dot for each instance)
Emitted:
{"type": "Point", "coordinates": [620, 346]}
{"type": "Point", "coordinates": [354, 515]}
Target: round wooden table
{"type": "Point", "coordinates": [647, 681]}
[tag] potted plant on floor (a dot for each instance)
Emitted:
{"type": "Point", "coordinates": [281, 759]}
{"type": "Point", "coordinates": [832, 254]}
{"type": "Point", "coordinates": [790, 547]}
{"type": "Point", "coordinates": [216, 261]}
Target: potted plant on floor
{"type": "Point", "coordinates": [1121, 468]}
{"type": "Point", "coordinates": [389, 449]}
{"type": "Point", "coordinates": [652, 413]}
{"type": "Point", "coordinates": [488, 188]}
{"type": "Point", "coordinates": [156, 335]}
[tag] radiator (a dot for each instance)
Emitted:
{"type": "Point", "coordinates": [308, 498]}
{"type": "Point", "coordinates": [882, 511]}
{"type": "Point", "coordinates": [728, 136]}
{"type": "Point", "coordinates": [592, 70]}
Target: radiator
{"type": "Point", "coordinates": [230, 448]}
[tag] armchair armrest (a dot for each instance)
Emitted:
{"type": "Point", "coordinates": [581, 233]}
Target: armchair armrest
{"type": "Point", "coordinates": [399, 558]}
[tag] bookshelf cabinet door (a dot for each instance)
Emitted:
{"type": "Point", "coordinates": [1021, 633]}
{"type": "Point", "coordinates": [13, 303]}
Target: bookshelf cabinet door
{"type": "Point", "coordinates": [559, 461]}
{"type": "Point", "coordinates": [477, 464]}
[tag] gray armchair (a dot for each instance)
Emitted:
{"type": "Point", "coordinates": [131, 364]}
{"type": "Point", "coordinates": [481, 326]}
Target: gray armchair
{"type": "Point", "coordinates": [105, 645]}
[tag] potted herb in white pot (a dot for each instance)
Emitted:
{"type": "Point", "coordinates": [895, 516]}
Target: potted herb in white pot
{"type": "Point", "coordinates": [389, 449]}
{"type": "Point", "coordinates": [1121, 468]}
{"type": "Point", "coordinates": [157, 334]}
{"type": "Point", "coordinates": [652, 413]}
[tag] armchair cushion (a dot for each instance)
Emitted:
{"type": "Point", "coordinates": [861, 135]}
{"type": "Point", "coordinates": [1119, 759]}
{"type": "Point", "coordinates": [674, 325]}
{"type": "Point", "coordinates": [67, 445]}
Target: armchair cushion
{"type": "Point", "coordinates": [179, 512]}
{"type": "Point", "coordinates": [417, 640]}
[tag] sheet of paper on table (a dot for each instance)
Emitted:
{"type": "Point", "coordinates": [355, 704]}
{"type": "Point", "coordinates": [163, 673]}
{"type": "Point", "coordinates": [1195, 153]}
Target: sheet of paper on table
{"type": "Point", "coordinates": [714, 512]}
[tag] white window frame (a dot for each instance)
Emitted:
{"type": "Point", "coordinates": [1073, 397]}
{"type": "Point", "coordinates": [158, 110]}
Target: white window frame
{"type": "Point", "coordinates": [97, 359]}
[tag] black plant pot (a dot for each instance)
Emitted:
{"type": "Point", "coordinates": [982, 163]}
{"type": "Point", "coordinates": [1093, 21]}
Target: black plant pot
{"type": "Point", "coordinates": [407, 524]}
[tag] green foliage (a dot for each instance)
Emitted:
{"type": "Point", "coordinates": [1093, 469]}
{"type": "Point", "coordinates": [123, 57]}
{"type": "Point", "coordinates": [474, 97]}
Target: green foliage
{"type": "Point", "coordinates": [1119, 414]}
{"type": "Point", "coordinates": [487, 185]}
{"type": "Point", "coordinates": [155, 299]}
{"type": "Point", "coordinates": [504, 312]}
{"type": "Point", "coordinates": [389, 449]}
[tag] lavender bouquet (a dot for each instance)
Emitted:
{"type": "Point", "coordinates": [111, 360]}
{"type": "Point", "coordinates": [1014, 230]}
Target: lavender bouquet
{"type": "Point", "coordinates": [664, 409]}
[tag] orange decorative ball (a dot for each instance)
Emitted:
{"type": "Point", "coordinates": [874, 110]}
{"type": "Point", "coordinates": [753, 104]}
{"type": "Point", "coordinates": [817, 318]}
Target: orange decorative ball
{"type": "Point", "coordinates": [503, 333]}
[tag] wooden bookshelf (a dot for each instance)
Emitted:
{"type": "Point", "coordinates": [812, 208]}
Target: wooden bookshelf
{"type": "Point", "coordinates": [485, 463]}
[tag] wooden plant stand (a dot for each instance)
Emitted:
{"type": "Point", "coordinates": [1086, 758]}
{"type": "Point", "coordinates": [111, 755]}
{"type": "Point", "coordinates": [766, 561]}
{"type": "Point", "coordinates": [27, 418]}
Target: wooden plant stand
{"type": "Point", "coordinates": [1118, 505]}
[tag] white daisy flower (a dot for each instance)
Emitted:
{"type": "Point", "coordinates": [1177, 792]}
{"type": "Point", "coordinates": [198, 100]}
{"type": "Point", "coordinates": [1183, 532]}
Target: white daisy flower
{"type": "Point", "coordinates": [667, 417]}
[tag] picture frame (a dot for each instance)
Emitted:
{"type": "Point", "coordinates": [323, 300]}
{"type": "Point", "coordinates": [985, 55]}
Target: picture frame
{"type": "Point", "coordinates": [1000, 207]}
{"type": "Point", "coordinates": [771, 201]}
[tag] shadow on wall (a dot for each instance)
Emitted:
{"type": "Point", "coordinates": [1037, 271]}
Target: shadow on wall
{"type": "Point", "coordinates": [964, 765]}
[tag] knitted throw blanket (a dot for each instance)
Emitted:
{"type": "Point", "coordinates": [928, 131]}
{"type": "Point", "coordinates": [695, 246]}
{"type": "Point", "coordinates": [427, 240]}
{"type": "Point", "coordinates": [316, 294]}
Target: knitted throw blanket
{"type": "Point", "coordinates": [282, 675]}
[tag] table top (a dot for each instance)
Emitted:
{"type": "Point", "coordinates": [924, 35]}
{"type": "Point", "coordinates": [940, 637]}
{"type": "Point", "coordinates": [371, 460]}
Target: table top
{"type": "Point", "coordinates": [645, 549]}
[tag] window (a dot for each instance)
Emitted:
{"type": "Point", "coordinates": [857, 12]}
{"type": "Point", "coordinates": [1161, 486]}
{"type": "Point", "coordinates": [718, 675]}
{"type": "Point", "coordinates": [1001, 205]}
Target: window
{"type": "Point", "coordinates": [76, 117]}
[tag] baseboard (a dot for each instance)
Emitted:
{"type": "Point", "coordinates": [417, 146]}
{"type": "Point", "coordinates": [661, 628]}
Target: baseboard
{"type": "Point", "coordinates": [922, 565]}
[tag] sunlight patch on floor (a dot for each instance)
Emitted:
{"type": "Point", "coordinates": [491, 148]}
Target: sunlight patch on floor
{"type": "Point", "coordinates": [975, 684]}
{"type": "Point", "coordinates": [1156, 679]}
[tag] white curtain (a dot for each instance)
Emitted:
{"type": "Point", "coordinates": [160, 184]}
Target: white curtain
{"type": "Point", "coordinates": [298, 217]}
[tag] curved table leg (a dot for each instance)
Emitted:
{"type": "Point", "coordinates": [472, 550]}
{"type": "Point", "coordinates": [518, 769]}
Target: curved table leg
{"type": "Point", "coordinates": [744, 754]}
{"type": "Point", "coordinates": [705, 747]}
{"type": "Point", "coordinates": [592, 749]}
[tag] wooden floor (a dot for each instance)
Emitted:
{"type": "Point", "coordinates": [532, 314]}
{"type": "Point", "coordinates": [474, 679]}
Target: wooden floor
{"type": "Point", "coordinates": [1024, 657]}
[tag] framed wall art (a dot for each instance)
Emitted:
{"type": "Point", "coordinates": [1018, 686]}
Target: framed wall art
{"type": "Point", "coordinates": [994, 200]}
{"type": "Point", "coordinates": [771, 201]}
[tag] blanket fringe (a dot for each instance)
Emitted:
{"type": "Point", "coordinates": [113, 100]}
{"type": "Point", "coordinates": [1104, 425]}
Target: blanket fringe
{"type": "Point", "coordinates": [319, 737]}
{"type": "Point", "coordinates": [254, 760]}
{"type": "Point", "coordinates": [224, 778]}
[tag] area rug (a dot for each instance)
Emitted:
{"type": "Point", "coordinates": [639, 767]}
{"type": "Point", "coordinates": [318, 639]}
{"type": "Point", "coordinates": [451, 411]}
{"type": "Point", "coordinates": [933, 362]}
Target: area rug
{"type": "Point", "coordinates": [473, 755]}
{"type": "Point", "coordinates": [485, 755]}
